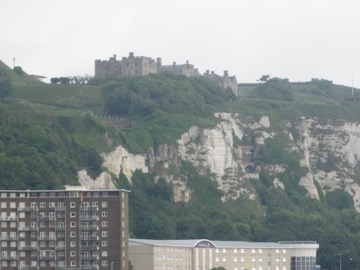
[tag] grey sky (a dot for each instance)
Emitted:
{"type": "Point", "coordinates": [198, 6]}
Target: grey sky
{"type": "Point", "coordinates": [295, 39]}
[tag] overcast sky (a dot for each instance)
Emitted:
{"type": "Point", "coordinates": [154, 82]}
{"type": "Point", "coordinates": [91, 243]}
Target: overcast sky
{"type": "Point", "coordinates": [294, 39]}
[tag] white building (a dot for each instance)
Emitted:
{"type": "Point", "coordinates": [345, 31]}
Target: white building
{"type": "Point", "coordinates": [203, 254]}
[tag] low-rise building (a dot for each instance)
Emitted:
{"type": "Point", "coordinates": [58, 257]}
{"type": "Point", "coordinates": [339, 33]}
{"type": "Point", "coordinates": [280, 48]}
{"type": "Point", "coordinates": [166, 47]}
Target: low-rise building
{"type": "Point", "coordinates": [203, 254]}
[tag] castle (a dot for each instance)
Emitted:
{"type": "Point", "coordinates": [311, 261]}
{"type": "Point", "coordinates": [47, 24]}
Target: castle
{"type": "Point", "coordinates": [142, 66]}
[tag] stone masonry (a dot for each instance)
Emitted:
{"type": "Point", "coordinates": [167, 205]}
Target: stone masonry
{"type": "Point", "coordinates": [141, 66]}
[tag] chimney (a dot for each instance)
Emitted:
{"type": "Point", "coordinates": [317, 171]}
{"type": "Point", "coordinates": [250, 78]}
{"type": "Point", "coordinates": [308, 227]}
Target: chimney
{"type": "Point", "coordinates": [174, 63]}
{"type": "Point", "coordinates": [226, 74]}
{"type": "Point", "coordinates": [131, 54]}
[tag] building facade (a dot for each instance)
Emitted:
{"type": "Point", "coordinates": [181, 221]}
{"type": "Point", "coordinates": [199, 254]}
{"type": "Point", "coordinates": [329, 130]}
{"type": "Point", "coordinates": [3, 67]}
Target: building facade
{"type": "Point", "coordinates": [126, 67]}
{"type": "Point", "coordinates": [68, 229]}
{"type": "Point", "coordinates": [203, 254]}
{"type": "Point", "coordinates": [183, 69]}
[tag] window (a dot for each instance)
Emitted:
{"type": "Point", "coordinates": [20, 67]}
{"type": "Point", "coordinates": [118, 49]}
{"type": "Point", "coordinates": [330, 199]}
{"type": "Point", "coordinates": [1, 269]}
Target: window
{"type": "Point", "coordinates": [104, 253]}
{"type": "Point", "coordinates": [104, 243]}
{"type": "Point", "coordinates": [42, 244]}
{"type": "Point", "coordinates": [73, 224]}
{"type": "Point", "coordinates": [52, 204]}
{"type": "Point", "coordinates": [42, 224]}
{"type": "Point", "coordinates": [104, 234]}
{"type": "Point", "coordinates": [3, 205]}
{"type": "Point", "coordinates": [72, 263]}
{"type": "Point", "coordinates": [72, 204]}
{"type": "Point", "coordinates": [73, 243]}
{"type": "Point", "coordinates": [12, 205]}
{"type": "Point", "coordinates": [4, 224]}
{"type": "Point", "coordinates": [13, 244]}
{"type": "Point", "coordinates": [104, 204]}
{"type": "Point", "coordinates": [104, 214]}
{"type": "Point", "coordinates": [42, 205]}
{"type": "Point", "coordinates": [72, 214]}
{"type": "Point", "coordinates": [73, 253]}
{"type": "Point", "coordinates": [95, 204]}
{"type": "Point", "coordinates": [72, 234]}
{"type": "Point", "coordinates": [3, 244]}
{"type": "Point", "coordinates": [21, 215]}
{"type": "Point", "coordinates": [43, 195]}
{"type": "Point", "coordinates": [12, 224]}
{"type": "Point", "coordinates": [52, 195]}
{"type": "Point", "coordinates": [104, 224]}
{"type": "Point", "coordinates": [104, 263]}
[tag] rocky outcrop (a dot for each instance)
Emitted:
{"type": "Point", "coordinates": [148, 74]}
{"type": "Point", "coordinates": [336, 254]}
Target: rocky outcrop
{"type": "Point", "coordinates": [330, 151]}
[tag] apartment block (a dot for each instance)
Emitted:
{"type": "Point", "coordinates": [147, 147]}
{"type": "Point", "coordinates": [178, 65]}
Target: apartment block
{"type": "Point", "coordinates": [69, 229]}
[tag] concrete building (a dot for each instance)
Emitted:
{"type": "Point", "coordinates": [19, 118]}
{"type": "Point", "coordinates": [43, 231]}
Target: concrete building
{"type": "Point", "coordinates": [203, 254]}
{"type": "Point", "coordinates": [68, 229]}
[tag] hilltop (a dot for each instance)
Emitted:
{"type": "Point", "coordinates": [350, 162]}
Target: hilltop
{"type": "Point", "coordinates": [200, 162]}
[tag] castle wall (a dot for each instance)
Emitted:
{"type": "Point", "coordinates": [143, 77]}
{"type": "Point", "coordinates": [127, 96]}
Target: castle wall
{"type": "Point", "coordinates": [184, 69]}
{"type": "Point", "coordinates": [141, 66]}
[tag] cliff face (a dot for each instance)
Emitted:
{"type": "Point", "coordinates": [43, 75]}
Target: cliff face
{"type": "Point", "coordinates": [330, 152]}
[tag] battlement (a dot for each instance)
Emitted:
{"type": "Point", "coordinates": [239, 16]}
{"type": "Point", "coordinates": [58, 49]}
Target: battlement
{"type": "Point", "coordinates": [142, 65]}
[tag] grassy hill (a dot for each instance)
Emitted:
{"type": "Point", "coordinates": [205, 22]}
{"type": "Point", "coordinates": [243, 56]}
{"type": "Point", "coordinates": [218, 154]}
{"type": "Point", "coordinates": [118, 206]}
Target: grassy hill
{"type": "Point", "coordinates": [20, 78]}
{"type": "Point", "coordinates": [47, 133]}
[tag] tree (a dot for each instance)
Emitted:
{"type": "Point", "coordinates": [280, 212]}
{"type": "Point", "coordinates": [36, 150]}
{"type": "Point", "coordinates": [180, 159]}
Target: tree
{"type": "Point", "coordinates": [5, 87]}
{"type": "Point", "coordinates": [276, 89]}
{"type": "Point", "coordinates": [264, 78]}
{"type": "Point", "coordinates": [218, 268]}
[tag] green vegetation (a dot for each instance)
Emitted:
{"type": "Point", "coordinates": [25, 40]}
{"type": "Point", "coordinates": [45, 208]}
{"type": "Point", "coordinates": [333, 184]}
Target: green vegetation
{"type": "Point", "coordinates": [48, 134]}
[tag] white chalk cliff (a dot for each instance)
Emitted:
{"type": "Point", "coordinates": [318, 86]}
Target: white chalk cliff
{"type": "Point", "coordinates": [330, 150]}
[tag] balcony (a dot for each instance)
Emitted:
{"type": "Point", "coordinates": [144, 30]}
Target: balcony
{"type": "Point", "coordinates": [9, 258]}
{"type": "Point", "coordinates": [46, 238]}
{"type": "Point", "coordinates": [92, 218]}
{"type": "Point", "coordinates": [27, 209]}
{"type": "Point", "coordinates": [27, 267]}
{"type": "Point", "coordinates": [83, 267]}
{"type": "Point", "coordinates": [47, 218]}
{"type": "Point", "coordinates": [89, 238]}
{"type": "Point", "coordinates": [47, 257]}
{"type": "Point", "coordinates": [27, 248]}
{"type": "Point", "coordinates": [27, 228]}
{"type": "Point", "coordinates": [60, 228]}
{"type": "Point", "coordinates": [89, 228]}
{"type": "Point", "coordinates": [89, 247]}
{"type": "Point", "coordinates": [60, 247]}
{"type": "Point", "coordinates": [89, 258]}
{"type": "Point", "coordinates": [89, 208]}
{"type": "Point", "coordinates": [60, 208]}
{"type": "Point", "coordinates": [8, 218]}
{"type": "Point", "coordinates": [8, 238]}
